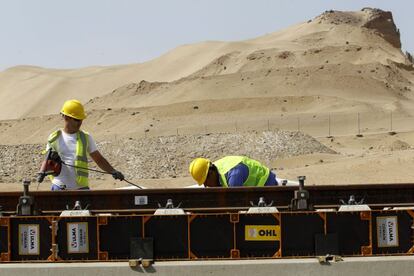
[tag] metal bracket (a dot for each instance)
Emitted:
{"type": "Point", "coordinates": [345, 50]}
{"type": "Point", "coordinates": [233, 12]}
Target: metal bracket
{"type": "Point", "coordinates": [352, 201]}
{"type": "Point", "coordinates": [235, 254]}
{"type": "Point", "coordinates": [261, 203]}
{"type": "Point", "coordinates": [76, 211]}
{"type": "Point", "coordinates": [25, 207]}
{"type": "Point", "coordinates": [169, 205]}
{"type": "Point", "coordinates": [5, 257]}
{"type": "Point", "coordinates": [234, 218]}
{"type": "Point", "coordinates": [300, 201]}
{"type": "Point", "coordinates": [169, 209]}
{"type": "Point", "coordinates": [261, 207]}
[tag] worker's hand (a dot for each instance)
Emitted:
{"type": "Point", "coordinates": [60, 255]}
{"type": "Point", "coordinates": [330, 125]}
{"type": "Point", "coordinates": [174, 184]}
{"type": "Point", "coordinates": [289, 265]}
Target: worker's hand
{"type": "Point", "coordinates": [118, 175]}
{"type": "Point", "coordinates": [40, 177]}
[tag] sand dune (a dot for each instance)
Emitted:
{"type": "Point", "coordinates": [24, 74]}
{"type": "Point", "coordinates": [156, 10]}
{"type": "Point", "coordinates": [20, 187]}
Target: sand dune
{"type": "Point", "coordinates": [334, 38]}
{"type": "Point", "coordinates": [338, 62]}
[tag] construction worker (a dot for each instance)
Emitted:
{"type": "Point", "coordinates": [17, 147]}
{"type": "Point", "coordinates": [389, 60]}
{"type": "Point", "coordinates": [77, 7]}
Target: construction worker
{"type": "Point", "coordinates": [231, 171]}
{"type": "Point", "coordinates": [73, 146]}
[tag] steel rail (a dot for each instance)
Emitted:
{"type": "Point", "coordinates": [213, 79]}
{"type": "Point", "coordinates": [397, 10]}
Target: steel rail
{"type": "Point", "coordinates": [237, 198]}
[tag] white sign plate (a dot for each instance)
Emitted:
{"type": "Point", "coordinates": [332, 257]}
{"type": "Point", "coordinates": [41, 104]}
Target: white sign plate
{"type": "Point", "coordinates": [29, 239]}
{"type": "Point", "coordinates": [141, 200]}
{"type": "Point", "coordinates": [387, 231]}
{"type": "Point", "coordinates": [78, 241]}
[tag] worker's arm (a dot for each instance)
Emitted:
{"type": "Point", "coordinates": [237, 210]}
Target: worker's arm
{"type": "Point", "coordinates": [43, 168]}
{"type": "Point", "coordinates": [104, 165]}
{"type": "Point", "coordinates": [237, 176]}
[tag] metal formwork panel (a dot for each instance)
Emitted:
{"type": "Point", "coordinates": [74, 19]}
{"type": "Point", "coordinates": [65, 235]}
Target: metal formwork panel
{"type": "Point", "coordinates": [211, 236]}
{"type": "Point", "coordinates": [170, 235]}
{"type": "Point", "coordinates": [258, 235]}
{"type": "Point", "coordinates": [298, 231]}
{"type": "Point", "coordinates": [393, 232]}
{"type": "Point", "coordinates": [206, 236]}
{"type": "Point", "coordinates": [4, 239]}
{"type": "Point", "coordinates": [30, 238]}
{"type": "Point", "coordinates": [353, 232]}
{"type": "Point", "coordinates": [77, 238]}
{"type": "Point", "coordinates": [115, 234]}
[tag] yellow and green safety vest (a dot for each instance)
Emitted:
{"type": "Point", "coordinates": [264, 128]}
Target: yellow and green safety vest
{"type": "Point", "coordinates": [81, 157]}
{"type": "Point", "coordinates": [258, 173]}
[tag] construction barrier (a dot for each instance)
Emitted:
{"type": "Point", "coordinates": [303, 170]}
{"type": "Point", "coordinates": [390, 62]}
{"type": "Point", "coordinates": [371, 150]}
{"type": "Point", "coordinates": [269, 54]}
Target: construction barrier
{"type": "Point", "coordinates": [206, 236]}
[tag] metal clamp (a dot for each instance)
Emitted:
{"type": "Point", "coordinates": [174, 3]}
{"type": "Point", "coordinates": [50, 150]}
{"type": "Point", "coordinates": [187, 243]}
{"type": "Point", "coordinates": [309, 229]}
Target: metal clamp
{"type": "Point", "coordinates": [261, 207]}
{"type": "Point", "coordinates": [169, 209]}
{"type": "Point", "coordinates": [261, 203]}
{"type": "Point", "coordinates": [300, 201]}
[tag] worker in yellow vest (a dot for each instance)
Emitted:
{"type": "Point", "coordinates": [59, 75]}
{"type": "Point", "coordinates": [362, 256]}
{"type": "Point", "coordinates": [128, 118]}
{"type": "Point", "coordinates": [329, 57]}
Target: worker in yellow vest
{"type": "Point", "coordinates": [73, 146]}
{"type": "Point", "coordinates": [231, 171]}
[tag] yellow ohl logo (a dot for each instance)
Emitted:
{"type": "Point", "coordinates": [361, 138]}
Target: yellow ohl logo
{"type": "Point", "coordinates": [262, 233]}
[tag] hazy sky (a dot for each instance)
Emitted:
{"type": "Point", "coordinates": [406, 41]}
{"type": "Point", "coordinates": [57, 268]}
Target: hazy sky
{"type": "Point", "coordinates": [79, 33]}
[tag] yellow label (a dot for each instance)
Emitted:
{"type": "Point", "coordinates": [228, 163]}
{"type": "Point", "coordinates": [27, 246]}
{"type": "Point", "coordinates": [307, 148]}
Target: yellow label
{"type": "Point", "coordinates": [262, 233]}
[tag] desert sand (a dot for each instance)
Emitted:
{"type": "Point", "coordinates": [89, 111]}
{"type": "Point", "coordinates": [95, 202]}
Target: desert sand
{"type": "Point", "coordinates": [341, 78]}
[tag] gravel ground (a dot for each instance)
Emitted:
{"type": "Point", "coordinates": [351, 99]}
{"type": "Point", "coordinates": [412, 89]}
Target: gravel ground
{"type": "Point", "coordinates": [168, 156]}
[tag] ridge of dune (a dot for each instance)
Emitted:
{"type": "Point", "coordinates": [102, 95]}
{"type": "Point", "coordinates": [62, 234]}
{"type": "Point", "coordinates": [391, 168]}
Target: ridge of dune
{"type": "Point", "coordinates": [366, 37]}
{"type": "Point", "coordinates": [382, 84]}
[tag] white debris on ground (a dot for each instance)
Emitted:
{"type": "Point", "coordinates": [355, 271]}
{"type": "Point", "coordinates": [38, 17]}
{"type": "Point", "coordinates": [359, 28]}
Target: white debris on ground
{"type": "Point", "coordinates": [168, 156]}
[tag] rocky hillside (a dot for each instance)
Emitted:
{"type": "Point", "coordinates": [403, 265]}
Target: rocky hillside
{"type": "Point", "coordinates": [168, 156]}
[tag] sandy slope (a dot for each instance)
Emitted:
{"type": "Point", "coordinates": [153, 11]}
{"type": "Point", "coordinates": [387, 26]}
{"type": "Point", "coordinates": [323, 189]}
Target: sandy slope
{"type": "Point", "coordinates": [332, 38]}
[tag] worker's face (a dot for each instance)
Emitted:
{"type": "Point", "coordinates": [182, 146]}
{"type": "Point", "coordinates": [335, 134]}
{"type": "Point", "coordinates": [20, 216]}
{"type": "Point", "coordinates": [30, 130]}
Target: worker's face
{"type": "Point", "coordinates": [72, 125]}
{"type": "Point", "coordinates": [212, 179]}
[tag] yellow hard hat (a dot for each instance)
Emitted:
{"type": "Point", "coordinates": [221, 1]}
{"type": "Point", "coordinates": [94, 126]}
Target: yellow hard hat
{"type": "Point", "coordinates": [199, 169]}
{"type": "Point", "coordinates": [74, 109]}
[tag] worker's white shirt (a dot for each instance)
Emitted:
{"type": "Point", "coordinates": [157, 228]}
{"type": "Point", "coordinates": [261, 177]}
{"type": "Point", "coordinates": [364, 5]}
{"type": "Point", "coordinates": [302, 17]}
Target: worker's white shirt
{"type": "Point", "coordinates": [67, 152]}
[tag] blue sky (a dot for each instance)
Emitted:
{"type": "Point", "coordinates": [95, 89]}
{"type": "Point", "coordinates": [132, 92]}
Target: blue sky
{"type": "Point", "coordinates": [79, 33]}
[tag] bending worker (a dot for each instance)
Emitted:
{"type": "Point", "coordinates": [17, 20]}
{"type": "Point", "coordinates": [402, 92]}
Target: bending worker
{"type": "Point", "coordinates": [73, 146]}
{"type": "Point", "coordinates": [231, 171]}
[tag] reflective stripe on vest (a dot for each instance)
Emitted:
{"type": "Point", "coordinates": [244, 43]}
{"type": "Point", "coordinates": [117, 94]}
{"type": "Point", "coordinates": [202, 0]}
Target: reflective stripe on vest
{"type": "Point", "coordinates": [81, 157]}
{"type": "Point", "coordinates": [258, 173]}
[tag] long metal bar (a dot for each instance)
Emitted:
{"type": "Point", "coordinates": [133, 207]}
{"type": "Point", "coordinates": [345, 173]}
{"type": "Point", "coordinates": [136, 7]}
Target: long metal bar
{"type": "Point", "coordinates": [382, 194]}
{"type": "Point", "coordinates": [225, 209]}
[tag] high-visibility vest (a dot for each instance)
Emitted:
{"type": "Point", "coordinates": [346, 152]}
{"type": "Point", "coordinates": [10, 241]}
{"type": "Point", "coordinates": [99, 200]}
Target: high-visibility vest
{"type": "Point", "coordinates": [81, 157]}
{"type": "Point", "coordinates": [258, 173]}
